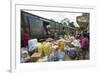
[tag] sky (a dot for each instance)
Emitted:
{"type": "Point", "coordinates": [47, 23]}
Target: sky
{"type": "Point", "coordinates": [57, 16]}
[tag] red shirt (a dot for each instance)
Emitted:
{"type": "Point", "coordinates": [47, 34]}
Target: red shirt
{"type": "Point", "coordinates": [25, 39]}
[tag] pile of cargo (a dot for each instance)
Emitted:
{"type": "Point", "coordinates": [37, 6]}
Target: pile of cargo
{"type": "Point", "coordinates": [50, 50]}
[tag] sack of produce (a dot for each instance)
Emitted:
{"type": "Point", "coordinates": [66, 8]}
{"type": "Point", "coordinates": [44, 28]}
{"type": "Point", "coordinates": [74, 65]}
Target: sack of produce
{"type": "Point", "coordinates": [47, 48]}
{"type": "Point", "coordinates": [72, 54]}
{"type": "Point", "coordinates": [40, 47]}
{"type": "Point", "coordinates": [61, 45]}
{"type": "Point", "coordinates": [61, 56]}
{"type": "Point", "coordinates": [72, 39]}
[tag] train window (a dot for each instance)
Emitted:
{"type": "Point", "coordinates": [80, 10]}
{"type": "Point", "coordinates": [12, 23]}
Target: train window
{"type": "Point", "coordinates": [45, 25]}
{"type": "Point", "coordinates": [35, 25]}
{"type": "Point", "coordinates": [26, 19]}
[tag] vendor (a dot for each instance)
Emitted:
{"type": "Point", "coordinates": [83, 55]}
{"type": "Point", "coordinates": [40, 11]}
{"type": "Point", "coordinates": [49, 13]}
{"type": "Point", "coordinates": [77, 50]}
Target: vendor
{"type": "Point", "coordinates": [84, 43]}
{"type": "Point", "coordinates": [25, 38]}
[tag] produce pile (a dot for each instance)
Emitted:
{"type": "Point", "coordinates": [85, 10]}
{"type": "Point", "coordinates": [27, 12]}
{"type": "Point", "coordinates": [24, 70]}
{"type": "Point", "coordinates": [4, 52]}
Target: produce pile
{"type": "Point", "coordinates": [51, 50]}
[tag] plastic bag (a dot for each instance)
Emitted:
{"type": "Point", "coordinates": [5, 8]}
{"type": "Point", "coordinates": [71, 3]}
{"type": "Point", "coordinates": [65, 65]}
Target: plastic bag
{"type": "Point", "coordinates": [72, 54]}
{"type": "Point", "coordinates": [40, 47]}
{"type": "Point", "coordinates": [47, 48]}
{"type": "Point", "coordinates": [32, 44]}
{"type": "Point", "coordinates": [61, 45]}
{"type": "Point", "coordinates": [61, 55]}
